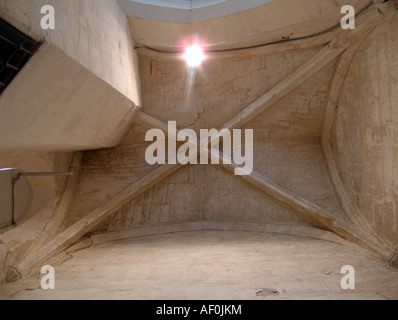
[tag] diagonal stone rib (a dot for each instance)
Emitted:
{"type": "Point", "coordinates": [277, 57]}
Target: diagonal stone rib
{"type": "Point", "coordinates": [366, 23]}
{"type": "Point", "coordinates": [311, 212]}
{"type": "Point", "coordinates": [73, 233]}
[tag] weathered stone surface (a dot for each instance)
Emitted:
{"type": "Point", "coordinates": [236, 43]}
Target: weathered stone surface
{"type": "Point", "coordinates": [365, 140]}
{"type": "Point", "coordinates": [214, 265]}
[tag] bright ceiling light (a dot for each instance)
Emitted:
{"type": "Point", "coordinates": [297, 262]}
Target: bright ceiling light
{"type": "Point", "coordinates": [194, 56]}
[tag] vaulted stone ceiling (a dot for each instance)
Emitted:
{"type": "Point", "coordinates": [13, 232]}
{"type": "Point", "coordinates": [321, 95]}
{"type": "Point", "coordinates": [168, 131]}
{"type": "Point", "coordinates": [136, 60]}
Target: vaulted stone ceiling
{"type": "Point", "coordinates": [286, 92]}
{"type": "Point", "coordinates": [288, 152]}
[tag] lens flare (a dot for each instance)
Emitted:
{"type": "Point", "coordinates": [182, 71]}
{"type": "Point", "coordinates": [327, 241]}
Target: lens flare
{"type": "Point", "coordinates": [194, 56]}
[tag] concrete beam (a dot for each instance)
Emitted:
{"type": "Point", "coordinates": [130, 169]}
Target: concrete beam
{"type": "Point", "coordinates": [55, 104]}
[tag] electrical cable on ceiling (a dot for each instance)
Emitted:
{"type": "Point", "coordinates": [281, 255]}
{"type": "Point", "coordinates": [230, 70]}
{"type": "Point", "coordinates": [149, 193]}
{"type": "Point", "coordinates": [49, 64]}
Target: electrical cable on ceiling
{"type": "Point", "coordinates": [369, 5]}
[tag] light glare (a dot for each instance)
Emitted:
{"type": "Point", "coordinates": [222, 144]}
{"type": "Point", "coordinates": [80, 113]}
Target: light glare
{"type": "Point", "coordinates": [194, 56]}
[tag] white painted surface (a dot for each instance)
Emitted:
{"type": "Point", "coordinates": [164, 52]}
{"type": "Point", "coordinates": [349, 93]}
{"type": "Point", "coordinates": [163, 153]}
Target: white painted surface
{"type": "Point", "coordinates": [186, 11]}
{"type": "Point", "coordinates": [184, 4]}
